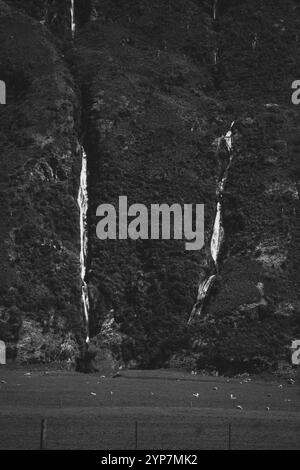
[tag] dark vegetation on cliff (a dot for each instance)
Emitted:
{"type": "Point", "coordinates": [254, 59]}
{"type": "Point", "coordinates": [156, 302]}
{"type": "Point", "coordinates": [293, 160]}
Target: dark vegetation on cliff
{"type": "Point", "coordinates": [159, 83]}
{"type": "Point", "coordinates": [40, 311]}
{"type": "Point", "coordinates": [259, 59]}
{"type": "Point", "coordinates": [150, 121]}
{"type": "Point", "coordinates": [155, 101]}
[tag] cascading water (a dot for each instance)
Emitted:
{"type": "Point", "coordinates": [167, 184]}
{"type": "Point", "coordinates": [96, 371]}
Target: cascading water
{"type": "Point", "coordinates": [216, 56]}
{"type": "Point", "coordinates": [215, 9]}
{"type": "Point", "coordinates": [254, 41]}
{"type": "Point", "coordinates": [73, 25]}
{"type": "Point", "coordinates": [83, 202]}
{"type": "Point", "coordinates": [83, 206]}
{"type": "Point", "coordinates": [203, 290]}
{"type": "Point", "coordinates": [218, 234]}
{"type": "Point", "coordinates": [216, 51]}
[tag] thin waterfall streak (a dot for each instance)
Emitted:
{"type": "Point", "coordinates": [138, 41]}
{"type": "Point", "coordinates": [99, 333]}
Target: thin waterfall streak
{"type": "Point", "coordinates": [216, 54]}
{"type": "Point", "coordinates": [82, 201]}
{"type": "Point", "coordinates": [83, 207]}
{"type": "Point", "coordinates": [218, 232]}
{"type": "Point", "coordinates": [73, 25]}
{"type": "Point", "coordinates": [217, 236]}
{"type": "Point", "coordinates": [228, 139]}
{"type": "Point", "coordinates": [215, 9]}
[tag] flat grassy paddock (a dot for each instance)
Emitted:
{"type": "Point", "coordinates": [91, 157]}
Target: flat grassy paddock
{"type": "Point", "coordinates": [94, 412]}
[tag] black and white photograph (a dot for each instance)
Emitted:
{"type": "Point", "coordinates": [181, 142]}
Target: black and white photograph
{"type": "Point", "coordinates": [149, 228]}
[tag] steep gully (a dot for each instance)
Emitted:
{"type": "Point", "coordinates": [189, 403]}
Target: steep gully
{"type": "Point", "coordinates": [83, 203]}
{"type": "Point", "coordinates": [218, 234]}
{"type": "Point", "coordinates": [83, 207]}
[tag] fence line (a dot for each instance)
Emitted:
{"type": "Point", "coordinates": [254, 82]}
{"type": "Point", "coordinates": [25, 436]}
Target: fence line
{"type": "Point", "coordinates": [229, 436]}
{"type": "Point", "coordinates": [98, 432]}
{"type": "Point", "coordinates": [136, 435]}
{"type": "Point", "coordinates": [43, 440]}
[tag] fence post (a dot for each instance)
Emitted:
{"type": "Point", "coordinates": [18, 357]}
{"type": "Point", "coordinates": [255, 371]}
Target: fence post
{"type": "Point", "coordinates": [136, 435]}
{"type": "Point", "coordinates": [229, 436]}
{"type": "Point", "coordinates": [43, 434]}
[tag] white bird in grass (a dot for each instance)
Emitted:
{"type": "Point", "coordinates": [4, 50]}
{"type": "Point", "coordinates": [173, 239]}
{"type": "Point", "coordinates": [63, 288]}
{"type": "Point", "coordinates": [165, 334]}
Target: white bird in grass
{"type": "Point", "coordinates": [93, 393]}
{"type": "Point", "coordinates": [267, 408]}
{"type": "Point", "coordinates": [239, 407]}
{"type": "Point", "coordinates": [196, 395]}
{"type": "Point", "coordinates": [215, 388]}
{"type": "Point", "coordinates": [232, 396]}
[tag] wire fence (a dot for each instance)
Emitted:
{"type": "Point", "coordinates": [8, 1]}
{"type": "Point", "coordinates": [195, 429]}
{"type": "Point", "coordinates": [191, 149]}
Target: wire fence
{"type": "Point", "coordinates": [111, 433]}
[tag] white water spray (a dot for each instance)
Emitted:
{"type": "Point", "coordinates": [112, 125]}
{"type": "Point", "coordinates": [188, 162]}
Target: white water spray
{"type": "Point", "coordinates": [218, 230]}
{"type": "Point", "coordinates": [83, 203]}
{"type": "Point", "coordinates": [216, 56]}
{"type": "Point", "coordinates": [254, 41]}
{"type": "Point", "coordinates": [73, 25]}
{"type": "Point", "coordinates": [218, 233]}
{"type": "Point", "coordinates": [228, 140]}
{"type": "Point", "coordinates": [217, 236]}
{"type": "Point", "coordinates": [203, 290]}
{"type": "Point", "coordinates": [215, 9]}
{"type": "Point", "coordinates": [83, 206]}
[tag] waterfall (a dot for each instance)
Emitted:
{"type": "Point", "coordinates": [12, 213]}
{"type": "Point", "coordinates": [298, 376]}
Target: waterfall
{"type": "Point", "coordinates": [216, 56]}
{"type": "Point", "coordinates": [217, 236]}
{"type": "Point", "coordinates": [83, 206]}
{"type": "Point", "coordinates": [215, 9]}
{"type": "Point", "coordinates": [216, 51]}
{"type": "Point", "coordinates": [73, 25]}
{"type": "Point", "coordinates": [203, 290]}
{"type": "Point", "coordinates": [254, 41]}
{"type": "Point", "coordinates": [218, 233]}
{"type": "Point", "coordinates": [228, 140]}
{"type": "Point", "coordinates": [83, 203]}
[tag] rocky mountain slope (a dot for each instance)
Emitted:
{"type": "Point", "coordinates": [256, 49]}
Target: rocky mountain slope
{"type": "Point", "coordinates": [149, 89]}
{"type": "Point", "coordinates": [40, 167]}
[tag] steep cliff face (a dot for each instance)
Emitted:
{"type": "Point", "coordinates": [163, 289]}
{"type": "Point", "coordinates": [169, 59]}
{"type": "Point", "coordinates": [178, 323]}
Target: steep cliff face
{"type": "Point", "coordinates": [40, 311]}
{"type": "Point", "coordinates": [161, 82]}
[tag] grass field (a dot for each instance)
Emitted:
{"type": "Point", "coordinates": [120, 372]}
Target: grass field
{"type": "Point", "coordinates": [172, 409]}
